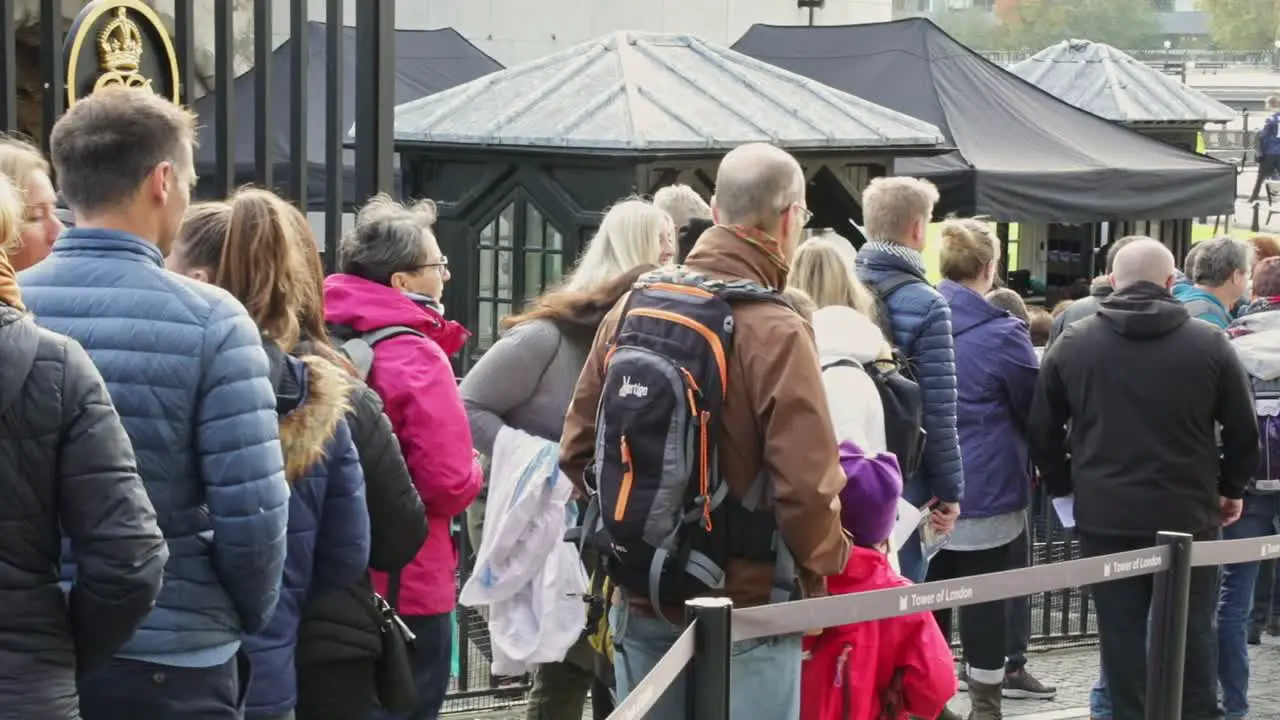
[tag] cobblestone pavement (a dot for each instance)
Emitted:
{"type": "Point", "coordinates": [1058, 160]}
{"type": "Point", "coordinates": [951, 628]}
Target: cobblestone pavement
{"type": "Point", "coordinates": [1073, 671]}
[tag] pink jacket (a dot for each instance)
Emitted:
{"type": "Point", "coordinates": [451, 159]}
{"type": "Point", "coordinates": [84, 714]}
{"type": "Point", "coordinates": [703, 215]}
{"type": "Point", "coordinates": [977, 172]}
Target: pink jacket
{"type": "Point", "coordinates": [880, 670]}
{"type": "Point", "coordinates": [416, 383]}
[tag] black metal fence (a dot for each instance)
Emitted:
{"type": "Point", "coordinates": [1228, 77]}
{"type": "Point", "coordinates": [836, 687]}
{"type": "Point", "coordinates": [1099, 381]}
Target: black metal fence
{"type": "Point", "coordinates": [1205, 59]}
{"type": "Point", "coordinates": [49, 46]}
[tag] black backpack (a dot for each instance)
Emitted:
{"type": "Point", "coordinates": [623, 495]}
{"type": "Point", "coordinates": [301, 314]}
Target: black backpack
{"type": "Point", "coordinates": [887, 286]}
{"type": "Point", "coordinates": [903, 411]}
{"type": "Point", "coordinates": [660, 512]}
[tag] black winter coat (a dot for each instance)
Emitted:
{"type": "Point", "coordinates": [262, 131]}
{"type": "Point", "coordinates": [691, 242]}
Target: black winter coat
{"type": "Point", "coordinates": [1161, 412]}
{"type": "Point", "coordinates": [66, 466]}
{"type": "Point", "coordinates": [340, 626]}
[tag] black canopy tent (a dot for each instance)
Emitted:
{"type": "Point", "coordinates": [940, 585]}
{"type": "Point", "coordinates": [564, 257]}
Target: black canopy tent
{"type": "Point", "coordinates": [426, 62]}
{"type": "Point", "coordinates": [1022, 154]}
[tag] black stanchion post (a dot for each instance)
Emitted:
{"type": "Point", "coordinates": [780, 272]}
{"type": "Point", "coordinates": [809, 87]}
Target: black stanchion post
{"type": "Point", "coordinates": [708, 682]}
{"type": "Point", "coordinates": [1167, 645]}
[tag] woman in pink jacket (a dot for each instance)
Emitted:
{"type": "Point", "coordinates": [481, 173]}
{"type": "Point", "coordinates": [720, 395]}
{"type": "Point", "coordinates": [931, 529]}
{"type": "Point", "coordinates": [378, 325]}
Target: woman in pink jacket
{"type": "Point", "coordinates": [392, 275]}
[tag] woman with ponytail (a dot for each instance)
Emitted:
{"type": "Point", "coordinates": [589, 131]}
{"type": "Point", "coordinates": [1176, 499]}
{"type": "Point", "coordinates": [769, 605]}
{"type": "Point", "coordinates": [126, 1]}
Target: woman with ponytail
{"type": "Point", "coordinates": [248, 246]}
{"type": "Point", "coordinates": [340, 639]}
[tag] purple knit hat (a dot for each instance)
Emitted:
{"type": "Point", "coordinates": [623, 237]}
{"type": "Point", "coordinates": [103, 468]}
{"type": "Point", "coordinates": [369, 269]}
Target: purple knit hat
{"type": "Point", "coordinates": [869, 500]}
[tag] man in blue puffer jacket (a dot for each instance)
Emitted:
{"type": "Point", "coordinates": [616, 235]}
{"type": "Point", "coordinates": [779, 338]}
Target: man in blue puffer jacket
{"type": "Point", "coordinates": [186, 369]}
{"type": "Point", "coordinates": [896, 213]}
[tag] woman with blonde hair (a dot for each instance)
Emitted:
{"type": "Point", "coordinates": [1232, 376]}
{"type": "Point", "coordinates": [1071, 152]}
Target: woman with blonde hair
{"type": "Point", "coordinates": [996, 370]}
{"type": "Point", "coordinates": [22, 162]}
{"type": "Point", "coordinates": [848, 339]}
{"type": "Point", "coordinates": [526, 380]}
{"type": "Point", "coordinates": [632, 233]}
{"type": "Point", "coordinates": [248, 247]}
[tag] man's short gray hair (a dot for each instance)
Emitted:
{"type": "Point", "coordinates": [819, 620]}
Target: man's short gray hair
{"type": "Point", "coordinates": [682, 203]}
{"type": "Point", "coordinates": [756, 183]}
{"type": "Point", "coordinates": [1218, 259]}
{"type": "Point", "coordinates": [891, 205]}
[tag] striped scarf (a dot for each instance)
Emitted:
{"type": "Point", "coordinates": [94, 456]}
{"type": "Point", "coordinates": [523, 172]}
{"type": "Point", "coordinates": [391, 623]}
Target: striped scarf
{"type": "Point", "coordinates": [912, 257]}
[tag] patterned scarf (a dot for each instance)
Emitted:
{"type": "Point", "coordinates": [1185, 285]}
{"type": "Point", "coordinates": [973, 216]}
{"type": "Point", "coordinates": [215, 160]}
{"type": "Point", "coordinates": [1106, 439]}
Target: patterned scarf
{"type": "Point", "coordinates": [902, 252]}
{"type": "Point", "coordinates": [1261, 305]}
{"type": "Point", "coordinates": [762, 241]}
{"type": "Point", "coordinates": [9, 292]}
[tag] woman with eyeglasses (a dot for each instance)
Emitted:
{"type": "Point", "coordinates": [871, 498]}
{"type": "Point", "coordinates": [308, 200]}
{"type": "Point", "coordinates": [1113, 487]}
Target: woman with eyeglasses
{"type": "Point", "coordinates": [41, 224]}
{"type": "Point", "coordinates": [387, 293]}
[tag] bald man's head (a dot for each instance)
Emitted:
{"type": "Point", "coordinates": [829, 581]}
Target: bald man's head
{"type": "Point", "coordinates": [1143, 259]}
{"type": "Point", "coordinates": [755, 184]}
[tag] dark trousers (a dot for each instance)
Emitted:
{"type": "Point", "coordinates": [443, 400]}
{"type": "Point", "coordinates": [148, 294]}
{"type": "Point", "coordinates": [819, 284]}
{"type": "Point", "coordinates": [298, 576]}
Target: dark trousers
{"type": "Point", "coordinates": [130, 689]}
{"type": "Point", "coordinates": [432, 652]}
{"type": "Point", "coordinates": [983, 626]}
{"type": "Point", "coordinates": [1268, 167]}
{"type": "Point", "coordinates": [345, 690]}
{"type": "Point", "coordinates": [1123, 607]}
{"type": "Point", "coordinates": [1019, 610]}
{"type": "Point", "coordinates": [1264, 594]}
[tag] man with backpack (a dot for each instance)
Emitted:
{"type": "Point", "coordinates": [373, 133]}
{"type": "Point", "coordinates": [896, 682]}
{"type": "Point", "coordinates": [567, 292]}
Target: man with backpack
{"type": "Point", "coordinates": [1268, 147]}
{"type": "Point", "coordinates": [701, 432]}
{"type": "Point", "coordinates": [917, 322]}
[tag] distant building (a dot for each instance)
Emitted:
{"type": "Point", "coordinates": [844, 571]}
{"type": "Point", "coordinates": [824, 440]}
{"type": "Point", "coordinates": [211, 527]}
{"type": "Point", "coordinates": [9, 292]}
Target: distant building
{"type": "Point", "coordinates": [515, 31]}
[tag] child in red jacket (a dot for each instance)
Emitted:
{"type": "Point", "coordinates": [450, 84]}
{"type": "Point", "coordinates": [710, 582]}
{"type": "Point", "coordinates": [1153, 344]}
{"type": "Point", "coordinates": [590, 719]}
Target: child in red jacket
{"type": "Point", "coordinates": [884, 669]}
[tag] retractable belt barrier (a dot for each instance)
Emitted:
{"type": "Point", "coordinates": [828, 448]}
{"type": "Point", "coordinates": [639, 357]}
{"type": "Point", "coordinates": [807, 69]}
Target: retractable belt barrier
{"type": "Point", "coordinates": [1170, 560]}
{"type": "Point", "coordinates": [804, 615]}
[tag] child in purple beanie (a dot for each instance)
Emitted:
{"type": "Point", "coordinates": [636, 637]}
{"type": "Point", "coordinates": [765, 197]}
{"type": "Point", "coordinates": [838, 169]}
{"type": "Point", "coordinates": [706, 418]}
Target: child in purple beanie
{"type": "Point", "coordinates": [888, 668]}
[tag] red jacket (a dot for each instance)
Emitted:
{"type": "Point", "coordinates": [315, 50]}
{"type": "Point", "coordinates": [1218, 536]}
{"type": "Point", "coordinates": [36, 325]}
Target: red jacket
{"type": "Point", "coordinates": [413, 377]}
{"type": "Point", "coordinates": [879, 670]}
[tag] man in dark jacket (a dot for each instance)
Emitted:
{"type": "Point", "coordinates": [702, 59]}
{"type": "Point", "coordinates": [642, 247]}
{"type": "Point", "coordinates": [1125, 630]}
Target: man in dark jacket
{"type": "Point", "coordinates": [918, 319]}
{"type": "Point", "coordinates": [1268, 147]}
{"type": "Point", "coordinates": [185, 368]}
{"type": "Point", "coordinates": [1144, 459]}
{"type": "Point", "coordinates": [66, 468]}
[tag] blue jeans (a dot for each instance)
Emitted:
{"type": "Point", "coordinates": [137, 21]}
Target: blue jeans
{"type": "Point", "coordinates": [1099, 698]}
{"type": "Point", "coordinates": [1236, 602]}
{"type": "Point", "coordinates": [764, 674]}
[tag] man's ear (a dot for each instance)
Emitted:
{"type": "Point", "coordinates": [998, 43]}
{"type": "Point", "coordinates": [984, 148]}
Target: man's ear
{"type": "Point", "coordinates": [161, 181]}
{"type": "Point", "coordinates": [715, 211]}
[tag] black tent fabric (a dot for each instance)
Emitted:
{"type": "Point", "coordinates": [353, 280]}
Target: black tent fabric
{"type": "Point", "coordinates": [426, 62]}
{"type": "Point", "coordinates": [1022, 154]}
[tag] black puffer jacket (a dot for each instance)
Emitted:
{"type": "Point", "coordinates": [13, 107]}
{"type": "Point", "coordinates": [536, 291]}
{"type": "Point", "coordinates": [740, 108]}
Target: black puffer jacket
{"type": "Point", "coordinates": [339, 626]}
{"type": "Point", "coordinates": [65, 460]}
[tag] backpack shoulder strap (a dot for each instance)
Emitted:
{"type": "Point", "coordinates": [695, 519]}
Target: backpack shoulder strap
{"type": "Point", "coordinates": [359, 349]}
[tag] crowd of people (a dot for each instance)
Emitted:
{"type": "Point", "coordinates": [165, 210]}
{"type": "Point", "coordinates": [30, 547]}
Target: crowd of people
{"type": "Point", "coordinates": [232, 481]}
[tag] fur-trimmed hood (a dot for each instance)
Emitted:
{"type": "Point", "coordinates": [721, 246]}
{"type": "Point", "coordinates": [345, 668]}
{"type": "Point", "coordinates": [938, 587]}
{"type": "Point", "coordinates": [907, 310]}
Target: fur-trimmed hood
{"type": "Point", "coordinates": [311, 399]}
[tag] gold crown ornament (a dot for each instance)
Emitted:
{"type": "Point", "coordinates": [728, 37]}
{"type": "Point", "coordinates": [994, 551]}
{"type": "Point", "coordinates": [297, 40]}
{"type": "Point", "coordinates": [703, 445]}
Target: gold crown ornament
{"type": "Point", "coordinates": [120, 44]}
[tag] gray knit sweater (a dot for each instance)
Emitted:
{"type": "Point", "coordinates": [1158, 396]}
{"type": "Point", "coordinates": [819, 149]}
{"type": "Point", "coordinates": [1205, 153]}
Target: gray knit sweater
{"type": "Point", "coordinates": [525, 381]}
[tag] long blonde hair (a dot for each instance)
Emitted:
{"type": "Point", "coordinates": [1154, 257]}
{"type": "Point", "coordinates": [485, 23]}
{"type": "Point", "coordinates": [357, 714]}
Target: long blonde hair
{"type": "Point", "coordinates": [820, 269]}
{"type": "Point", "coordinates": [630, 235]}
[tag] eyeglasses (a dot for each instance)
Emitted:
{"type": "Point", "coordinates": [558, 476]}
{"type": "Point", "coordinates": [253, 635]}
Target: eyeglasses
{"type": "Point", "coordinates": [805, 213]}
{"type": "Point", "coordinates": [443, 264]}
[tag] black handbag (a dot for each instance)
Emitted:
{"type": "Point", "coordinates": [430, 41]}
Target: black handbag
{"type": "Point", "coordinates": [397, 691]}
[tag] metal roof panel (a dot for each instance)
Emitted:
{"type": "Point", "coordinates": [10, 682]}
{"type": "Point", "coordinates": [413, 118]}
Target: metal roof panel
{"type": "Point", "coordinates": [654, 91]}
{"type": "Point", "coordinates": [1112, 84]}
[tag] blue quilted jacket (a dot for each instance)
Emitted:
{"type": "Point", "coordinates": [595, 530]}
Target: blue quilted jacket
{"type": "Point", "coordinates": [328, 518]}
{"type": "Point", "coordinates": [185, 367]}
{"type": "Point", "coordinates": [921, 323]}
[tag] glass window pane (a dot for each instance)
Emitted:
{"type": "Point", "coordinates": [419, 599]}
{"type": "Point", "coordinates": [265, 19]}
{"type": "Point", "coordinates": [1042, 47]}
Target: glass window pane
{"type": "Point", "coordinates": [532, 274]}
{"type": "Point", "coordinates": [486, 235]}
{"type": "Point", "coordinates": [486, 272]}
{"type": "Point", "coordinates": [506, 225]}
{"type": "Point", "coordinates": [504, 274]}
{"type": "Point", "coordinates": [484, 338]}
{"type": "Point", "coordinates": [533, 226]}
{"type": "Point", "coordinates": [555, 241]}
{"type": "Point", "coordinates": [553, 268]}
{"type": "Point", "coordinates": [504, 309]}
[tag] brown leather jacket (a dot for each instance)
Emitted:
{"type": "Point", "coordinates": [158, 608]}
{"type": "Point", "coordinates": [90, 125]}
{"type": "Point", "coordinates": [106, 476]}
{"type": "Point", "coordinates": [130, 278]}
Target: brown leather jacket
{"type": "Point", "coordinates": [775, 417]}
